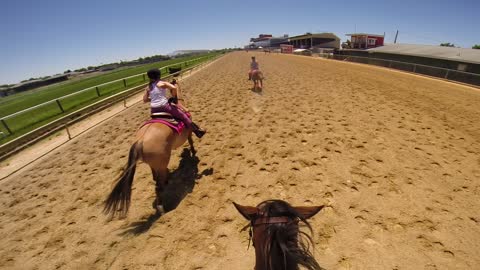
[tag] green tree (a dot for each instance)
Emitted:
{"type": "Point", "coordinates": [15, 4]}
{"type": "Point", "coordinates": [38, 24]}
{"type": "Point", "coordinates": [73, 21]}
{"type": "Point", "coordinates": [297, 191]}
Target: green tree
{"type": "Point", "coordinates": [31, 79]}
{"type": "Point", "coordinates": [476, 46]}
{"type": "Point", "coordinates": [447, 44]}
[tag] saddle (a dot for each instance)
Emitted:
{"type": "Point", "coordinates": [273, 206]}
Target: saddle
{"type": "Point", "coordinates": [164, 116]}
{"type": "Point", "coordinates": [166, 119]}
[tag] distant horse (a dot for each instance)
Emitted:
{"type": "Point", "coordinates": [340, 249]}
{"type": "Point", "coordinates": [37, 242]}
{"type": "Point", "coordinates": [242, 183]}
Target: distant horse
{"type": "Point", "coordinates": [275, 234]}
{"type": "Point", "coordinates": [153, 144]}
{"type": "Point", "coordinates": [266, 51]}
{"type": "Point", "coordinates": [257, 78]}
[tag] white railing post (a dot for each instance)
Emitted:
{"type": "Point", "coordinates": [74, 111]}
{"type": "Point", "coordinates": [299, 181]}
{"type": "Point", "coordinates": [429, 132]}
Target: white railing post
{"type": "Point", "coordinates": [68, 132]}
{"type": "Point", "coordinates": [6, 127]}
{"type": "Point", "coordinates": [60, 105]}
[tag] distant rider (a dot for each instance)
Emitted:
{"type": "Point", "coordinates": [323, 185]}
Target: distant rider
{"type": "Point", "coordinates": [253, 67]}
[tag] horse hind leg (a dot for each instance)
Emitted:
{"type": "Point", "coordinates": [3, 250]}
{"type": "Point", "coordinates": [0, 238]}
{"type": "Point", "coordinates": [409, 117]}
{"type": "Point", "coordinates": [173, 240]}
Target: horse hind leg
{"type": "Point", "coordinates": [161, 181]}
{"type": "Point", "coordinates": [192, 148]}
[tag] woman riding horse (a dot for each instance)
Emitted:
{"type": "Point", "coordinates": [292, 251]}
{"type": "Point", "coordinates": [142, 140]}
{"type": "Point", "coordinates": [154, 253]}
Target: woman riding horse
{"type": "Point", "coordinates": [255, 75]}
{"type": "Point", "coordinates": [156, 94]}
{"type": "Point", "coordinates": [154, 143]}
{"type": "Point", "coordinates": [253, 66]}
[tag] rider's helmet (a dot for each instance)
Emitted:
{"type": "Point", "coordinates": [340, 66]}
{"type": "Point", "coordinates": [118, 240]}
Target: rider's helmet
{"type": "Point", "coordinates": [154, 74]}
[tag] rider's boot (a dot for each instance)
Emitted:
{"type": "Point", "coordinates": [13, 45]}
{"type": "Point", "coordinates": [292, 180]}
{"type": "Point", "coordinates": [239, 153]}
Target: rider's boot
{"type": "Point", "coordinates": [198, 131]}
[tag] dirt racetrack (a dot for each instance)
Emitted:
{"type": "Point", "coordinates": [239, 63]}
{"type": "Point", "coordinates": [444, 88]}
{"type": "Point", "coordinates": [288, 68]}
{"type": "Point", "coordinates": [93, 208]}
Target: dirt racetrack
{"type": "Point", "coordinates": [396, 158]}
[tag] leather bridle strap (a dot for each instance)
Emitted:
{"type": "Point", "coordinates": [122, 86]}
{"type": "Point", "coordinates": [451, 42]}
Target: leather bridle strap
{"type": "Point", "coordinates": [271, 220]}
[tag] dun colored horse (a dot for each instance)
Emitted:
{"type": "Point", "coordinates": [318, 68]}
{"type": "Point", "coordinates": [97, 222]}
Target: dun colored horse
{"type": "Point", "coordinates": [257, 78]}
{"type": "Point", "coordinates": [275, 234]}
{"type": "Point", "coordinates": [154, 144]}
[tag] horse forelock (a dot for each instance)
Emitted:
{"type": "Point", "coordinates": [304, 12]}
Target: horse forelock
{"type": "Point", "coordinates": [277, 208]}
{"type": "Point", "coordinates": [285, 246]}
{"type": "Point", "coordinates": [279, 242]}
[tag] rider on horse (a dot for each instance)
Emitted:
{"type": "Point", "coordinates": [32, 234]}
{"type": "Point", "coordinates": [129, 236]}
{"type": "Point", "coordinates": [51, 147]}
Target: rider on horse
{"type": "Point", "coordinates": [253, 67]}
{"type": "Point", "coordinates": [156, 94]}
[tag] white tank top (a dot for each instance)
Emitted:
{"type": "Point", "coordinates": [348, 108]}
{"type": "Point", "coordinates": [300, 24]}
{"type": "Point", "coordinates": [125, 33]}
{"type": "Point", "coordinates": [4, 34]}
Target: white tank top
{"type": "Point", "coordinates": [158, 96]}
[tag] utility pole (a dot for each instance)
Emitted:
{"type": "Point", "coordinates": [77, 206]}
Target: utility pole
{"type": "Point", "coordinates": [396, 35]}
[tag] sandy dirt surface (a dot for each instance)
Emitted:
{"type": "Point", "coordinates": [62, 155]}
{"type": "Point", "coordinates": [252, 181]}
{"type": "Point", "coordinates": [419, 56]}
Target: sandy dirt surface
{"type": "Point", "coordinates": [395, 157]}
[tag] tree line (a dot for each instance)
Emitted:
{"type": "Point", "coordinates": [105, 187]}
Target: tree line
{"type": "Point", "coordinates": [139, 61]}
{"type": "Point", "coordinates": [448, 44]}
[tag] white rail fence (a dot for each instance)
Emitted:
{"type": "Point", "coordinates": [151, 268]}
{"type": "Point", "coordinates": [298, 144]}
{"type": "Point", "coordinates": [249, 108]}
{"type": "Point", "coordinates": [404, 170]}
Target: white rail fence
{"type": "Point", "coordinates": [15, 122]}
{"type": "Point", "coordinates": [66, 120]}
{"type": "Point", "coordinates": [443, 73]}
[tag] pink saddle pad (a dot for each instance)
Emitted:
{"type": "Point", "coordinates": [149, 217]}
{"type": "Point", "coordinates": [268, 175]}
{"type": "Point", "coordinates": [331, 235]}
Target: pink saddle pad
{"type": "Point", "coordinates": [176, 127]}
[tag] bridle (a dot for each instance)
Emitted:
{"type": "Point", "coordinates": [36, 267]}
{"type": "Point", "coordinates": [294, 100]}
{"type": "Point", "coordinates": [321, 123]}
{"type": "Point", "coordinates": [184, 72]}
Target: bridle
{"type": "Point", "coordinates": [276, 230]}
{"type": "Point", "coordinates": [261, 219]}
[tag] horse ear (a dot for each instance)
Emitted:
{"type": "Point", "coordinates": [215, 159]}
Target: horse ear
{"type": "Point", "coordinates": [247, 211]}
{"type": "Point", "coordinates": [308, 211]}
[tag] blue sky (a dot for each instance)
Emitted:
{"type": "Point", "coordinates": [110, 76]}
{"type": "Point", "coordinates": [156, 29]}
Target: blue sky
{"type": "Point", "coordinates": [40, 38]}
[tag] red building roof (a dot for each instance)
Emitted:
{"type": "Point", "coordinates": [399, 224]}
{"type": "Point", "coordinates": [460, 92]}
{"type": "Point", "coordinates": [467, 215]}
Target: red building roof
{"type": "Point", "coordinates": [364, 34]}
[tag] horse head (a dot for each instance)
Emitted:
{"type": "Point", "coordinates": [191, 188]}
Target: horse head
{"type": "Point", "coordinates": [275, 234]}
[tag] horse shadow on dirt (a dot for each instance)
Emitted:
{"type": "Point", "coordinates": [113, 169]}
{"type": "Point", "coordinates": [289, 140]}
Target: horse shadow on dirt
{"type": "Point", "coordinates": [181, 181]}
{"type": "Point", "coordinates": [257, 91]}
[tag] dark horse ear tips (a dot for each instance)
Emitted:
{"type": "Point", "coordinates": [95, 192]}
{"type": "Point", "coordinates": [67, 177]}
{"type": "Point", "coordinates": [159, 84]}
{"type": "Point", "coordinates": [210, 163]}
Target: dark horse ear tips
{"type": "Point", "coordinates": [308, 211]}
{"type": "Point", "coordinates": [247, 211]}
{"type": "Point", "coordinates": [305, 211]}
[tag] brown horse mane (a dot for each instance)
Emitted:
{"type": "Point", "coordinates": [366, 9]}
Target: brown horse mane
{"type": "Point", "coordinates": [286, 246]}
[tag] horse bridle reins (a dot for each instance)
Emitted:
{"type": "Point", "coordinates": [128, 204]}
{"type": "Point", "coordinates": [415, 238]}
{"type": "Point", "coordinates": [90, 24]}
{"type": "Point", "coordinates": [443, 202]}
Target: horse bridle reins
{"type": "Point", "coordinates": [270, 220]}
{"type": "Point", "coordinates": [265, 220]}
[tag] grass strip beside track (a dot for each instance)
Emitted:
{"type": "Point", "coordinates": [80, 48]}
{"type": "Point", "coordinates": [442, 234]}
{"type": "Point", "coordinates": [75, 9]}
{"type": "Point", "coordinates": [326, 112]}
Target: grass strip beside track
{"type": "Point", "coordinates": [49, 111]}
{"type": "Point", "coordinates": [24, 100]}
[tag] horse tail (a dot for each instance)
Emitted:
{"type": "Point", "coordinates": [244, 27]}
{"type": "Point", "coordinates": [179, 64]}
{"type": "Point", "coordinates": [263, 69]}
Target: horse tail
{"type": "Point", "coordinates": [118, 202]}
